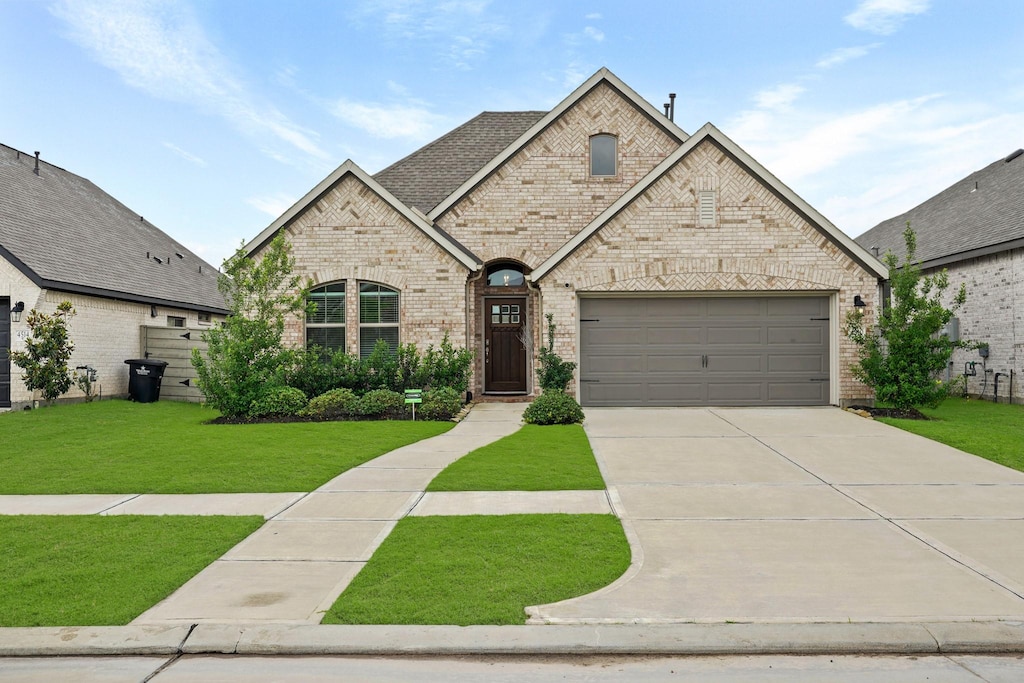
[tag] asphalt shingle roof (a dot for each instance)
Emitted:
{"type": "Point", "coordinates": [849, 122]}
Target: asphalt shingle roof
{"type": "Point", "coordinates": [68, 234]}
{"type": "Point", "coordinates": [983, 210]}
{"type": "Point", "coordinates": [427, 176]}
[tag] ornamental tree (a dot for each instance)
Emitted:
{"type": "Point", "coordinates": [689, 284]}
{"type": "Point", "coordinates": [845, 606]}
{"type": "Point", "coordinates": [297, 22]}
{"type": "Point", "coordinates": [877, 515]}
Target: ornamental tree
{"type": "Point", "coordinates": [904, 358]}
{"type": "Point", "coordinates": [47, 352]}
{"type": "Point", "coordinates": [244, 353]}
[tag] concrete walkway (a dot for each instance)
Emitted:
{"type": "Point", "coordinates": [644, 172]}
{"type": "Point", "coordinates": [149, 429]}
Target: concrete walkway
{"type": "Point", "coordinates": [296, 565]}
{"type": "Point", "coordinates": [800, 515]}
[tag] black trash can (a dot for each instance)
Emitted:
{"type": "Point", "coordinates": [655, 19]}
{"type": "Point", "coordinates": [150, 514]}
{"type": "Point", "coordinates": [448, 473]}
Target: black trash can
{"type": "Point", "coordinates": [144, 376]}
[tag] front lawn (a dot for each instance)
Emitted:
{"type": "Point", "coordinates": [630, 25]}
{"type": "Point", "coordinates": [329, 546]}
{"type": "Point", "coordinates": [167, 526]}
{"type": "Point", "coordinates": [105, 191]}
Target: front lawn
{"type": "Point", "coordinates": [535, 458]}
{"type": "Point", "coordinates": [482, 569]}
{"type": "Point", "coordinates": [164, 447]}
{"type": "Point", "coordinates": [992, 430]}
{"type": "Point", "coordinates": [98, 571]}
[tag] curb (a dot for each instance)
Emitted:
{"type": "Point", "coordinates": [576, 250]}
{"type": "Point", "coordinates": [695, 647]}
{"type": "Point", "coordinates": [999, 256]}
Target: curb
{"type": "Point", "coordinates": [926, 638]}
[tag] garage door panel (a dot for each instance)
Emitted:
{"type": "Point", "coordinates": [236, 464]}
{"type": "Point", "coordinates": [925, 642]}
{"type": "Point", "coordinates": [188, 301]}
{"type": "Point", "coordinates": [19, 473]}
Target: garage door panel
{"type": "Point", "coordinates": [705, 351]}
{"type": "Point", "coordinates": [673, 308]}
{"type": "Point", "coordinates": [735, 335]}
{"type": "Point", "coordinates": [729, 307]}
{"type": "Point", "coordinates": [630, 362]}
{"type": "Point", "coordinates": [594, 337]}
{"type": "Point", "coordinates": [675, 393]}
{"type": "Point", "coordinates": [798, 393]}
{"type": "Point", "coordinates": [674, 363]}
{"type": "Point", "coordinates": [815, 364]}
{"type": "Point", "coordinates": [672, 335]}
{"type": "Point", "coordinates": [796, 334]}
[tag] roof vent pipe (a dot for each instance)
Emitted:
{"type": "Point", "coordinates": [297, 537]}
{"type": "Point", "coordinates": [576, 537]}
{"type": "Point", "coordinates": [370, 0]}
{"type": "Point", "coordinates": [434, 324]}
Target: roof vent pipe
{"type": "Point", "coordinates": [666, 105]}
{"type": "Point", "coordinates": [36, 170]}
{"type": "Point", "coordinates": [1014, 155]}
{"type": "Point", "coordinates": [672, 106]}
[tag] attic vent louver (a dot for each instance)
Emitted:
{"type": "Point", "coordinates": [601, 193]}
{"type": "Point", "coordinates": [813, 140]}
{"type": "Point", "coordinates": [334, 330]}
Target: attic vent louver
{"type": "Point", "coordinates": [1014, 155]}
{"type": "Point", "coordinates": [706, 208]}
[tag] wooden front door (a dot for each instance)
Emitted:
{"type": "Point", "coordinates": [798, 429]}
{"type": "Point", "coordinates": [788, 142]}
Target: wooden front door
{"type": "Point", "coordinates": [505, 360]}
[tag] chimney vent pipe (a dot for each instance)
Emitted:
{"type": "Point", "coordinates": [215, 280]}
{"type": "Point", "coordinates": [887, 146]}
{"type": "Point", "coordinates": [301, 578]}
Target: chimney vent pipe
{"type": "Point", "coordinates": [36, 170]}
{"type": "Point", "coordinates": [672, 106]}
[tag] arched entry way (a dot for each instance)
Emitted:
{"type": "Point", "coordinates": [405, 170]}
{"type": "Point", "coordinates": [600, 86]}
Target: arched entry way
{"type": "Point", "coordinates": [506, 333]}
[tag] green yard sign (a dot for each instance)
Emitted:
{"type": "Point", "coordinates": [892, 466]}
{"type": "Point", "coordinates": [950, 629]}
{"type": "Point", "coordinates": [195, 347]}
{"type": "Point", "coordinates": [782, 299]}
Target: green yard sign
{"type": "Point", "coordinates": [413, 396]}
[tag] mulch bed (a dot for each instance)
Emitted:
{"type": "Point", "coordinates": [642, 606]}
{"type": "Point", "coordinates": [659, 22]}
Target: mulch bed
{"type": "Point", "coordinates": [898, 413]}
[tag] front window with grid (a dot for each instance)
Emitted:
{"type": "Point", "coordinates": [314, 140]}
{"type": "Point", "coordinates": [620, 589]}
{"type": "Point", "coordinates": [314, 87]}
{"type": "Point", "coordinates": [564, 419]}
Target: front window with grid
{"type": "Point", "coordinates": [378, 317]}
{"type": "Point", "coordinates": [325, 327]}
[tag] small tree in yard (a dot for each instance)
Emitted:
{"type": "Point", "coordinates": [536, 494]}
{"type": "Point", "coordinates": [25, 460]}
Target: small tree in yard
{"type": "Point", "coordinates": [904, 359]}
{"type": "Point", "coordinates": [244, 353]}
{"type": "Point", "coordinates": [47, 352]}
{"type": "Point", "coordinates": [553, 373]}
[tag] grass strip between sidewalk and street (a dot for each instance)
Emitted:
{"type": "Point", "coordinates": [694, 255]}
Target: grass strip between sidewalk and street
{"type": "Point", "coordinates": [100, 571]}
{"type": "Point", "coordinates": [164, 447]}
{"type": "Point", "coordinates": [535, 458]}
{"type": "Point", "coordinates": [994, 431]}
{"type": "Point", "coordinates": [482, 569]}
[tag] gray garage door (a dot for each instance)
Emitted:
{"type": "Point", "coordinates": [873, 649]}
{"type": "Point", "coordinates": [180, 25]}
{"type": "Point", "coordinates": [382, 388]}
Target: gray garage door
{"type": "Point", "coordinates": [704, 351]}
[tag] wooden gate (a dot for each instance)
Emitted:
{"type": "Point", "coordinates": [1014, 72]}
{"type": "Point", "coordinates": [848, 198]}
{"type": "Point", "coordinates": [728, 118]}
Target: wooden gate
{"type": "Point", "coordinates": [174, 345]}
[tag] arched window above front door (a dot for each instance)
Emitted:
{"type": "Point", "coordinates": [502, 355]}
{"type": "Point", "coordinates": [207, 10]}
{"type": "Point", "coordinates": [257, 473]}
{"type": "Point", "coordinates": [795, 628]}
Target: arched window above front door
{"type": "Point", "coordinates": [505, 275]}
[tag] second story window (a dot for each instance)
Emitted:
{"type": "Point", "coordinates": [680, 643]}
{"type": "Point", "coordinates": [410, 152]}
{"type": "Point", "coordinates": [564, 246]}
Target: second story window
{"type": "Point", "coordinates": [603, 155]}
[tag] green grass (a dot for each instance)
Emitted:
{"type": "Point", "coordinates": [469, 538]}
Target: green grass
{"type": "Point", "coordinates": [164, 447]}
{"type": "Point", "coordinates": [992, 430]}
{"type": "Point", "coordinates": [535, 458]}
{"type": "Point", "coordinates": [482, 569]}
{"type": "Point", "coordinates": [96, 571]}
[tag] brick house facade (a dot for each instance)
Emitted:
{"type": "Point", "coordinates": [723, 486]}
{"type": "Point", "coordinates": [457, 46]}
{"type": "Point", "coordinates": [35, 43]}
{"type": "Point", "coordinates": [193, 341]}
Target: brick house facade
{"type": "Point", "coordinates": [714, 283]}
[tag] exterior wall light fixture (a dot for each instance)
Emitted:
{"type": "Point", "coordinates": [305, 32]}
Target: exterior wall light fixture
{"type": "Point", "coordinates": [858, 302]}
{"type": "Point", "coordinates": [16, 310]}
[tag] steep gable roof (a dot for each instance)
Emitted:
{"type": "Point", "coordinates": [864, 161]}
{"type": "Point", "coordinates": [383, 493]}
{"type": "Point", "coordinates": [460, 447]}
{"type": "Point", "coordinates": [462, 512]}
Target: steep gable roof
{"type": "Point", "coordinates": [65, 233]}
{"type": "Point", "coordinates": [445, 241]}
{"type": "Point", "coordinates": [602, 76]}
{"type": "Point", "coordinates": [709, 132]}
{"type": "Point", "coordinates": [424, 178]}
{"type": "Point", "coordinates": [983, 213]}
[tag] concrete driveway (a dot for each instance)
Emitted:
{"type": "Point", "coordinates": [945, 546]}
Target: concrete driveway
{"type": "Point", "coordinates": [800, 514]}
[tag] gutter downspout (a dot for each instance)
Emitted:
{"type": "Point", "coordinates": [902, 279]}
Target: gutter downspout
{"type": "Point", "coordinates": [470, 282]}
{"type": "Point", "coordinates": [531, 286]}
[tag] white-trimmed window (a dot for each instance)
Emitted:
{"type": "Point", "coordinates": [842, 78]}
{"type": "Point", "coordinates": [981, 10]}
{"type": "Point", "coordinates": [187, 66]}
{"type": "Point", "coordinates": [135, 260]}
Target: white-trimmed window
{"type": "Point", "coordinates": [325, 327]}
{"type": "Point", "coordinates": [603, 155]}
{"type": "Point", "coordinates": [378, 317]}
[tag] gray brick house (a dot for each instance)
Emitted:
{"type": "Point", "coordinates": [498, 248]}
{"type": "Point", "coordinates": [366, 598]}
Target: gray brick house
{"type": "Point", "coordinates": [975, 230]}
{"type": "Point", "coordinates": [679, 270]}
{"type": "Point", "coordinates": [63, 238]}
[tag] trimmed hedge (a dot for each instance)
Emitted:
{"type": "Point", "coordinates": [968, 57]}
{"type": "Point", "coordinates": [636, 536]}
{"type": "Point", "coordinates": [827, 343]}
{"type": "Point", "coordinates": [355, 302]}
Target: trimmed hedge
{"type": "Point", "coordinates": [553, 407]}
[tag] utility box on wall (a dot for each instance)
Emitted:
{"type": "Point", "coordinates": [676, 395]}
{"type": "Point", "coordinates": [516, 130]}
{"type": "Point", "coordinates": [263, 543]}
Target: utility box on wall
{"type": "Point", "coordinates": [174, 345]}
{"type": "Point", "coordinates": [952, 329]}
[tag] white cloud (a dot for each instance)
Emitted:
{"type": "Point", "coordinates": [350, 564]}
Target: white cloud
{"type": "Point", "coordinates": [388, 122]}
{"type": "Point", "coordinates": [593, 16]}
{"type": "Point", "coordinates": [273, 205]}
{"type": "Point", "coordinates": [594, 33]}
{"type": "Point", "coordinates": [844, 54]}
{"type": "Point", "coordinates": [884, 16]}
{"type": "Point", "coordinates": [198, 161]}
{"type": "Point", "coordinates": [161, 49]}
{"type": "Point", "coordinates": [779, 97]}
{"type": "Point", "coordinates": [460, 30]}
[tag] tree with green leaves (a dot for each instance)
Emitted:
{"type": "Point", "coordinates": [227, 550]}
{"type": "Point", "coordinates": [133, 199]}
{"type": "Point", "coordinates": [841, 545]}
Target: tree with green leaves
{"type": "Point", "coordinates": [244, 353]}
{"type": "Point", "coordinates": [47, 352]}
{"type": "Point", "coordinates": [904, 359]}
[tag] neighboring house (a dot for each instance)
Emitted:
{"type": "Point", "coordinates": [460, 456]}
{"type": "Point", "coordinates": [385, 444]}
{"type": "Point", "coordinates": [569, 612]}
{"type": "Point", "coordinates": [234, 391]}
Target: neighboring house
{"type": "Point", "coordinates": [679, 271]}
{"type": "Point", "coordinates": [63, 238]}
{"type": "Point", "coordinates": [975, 230]}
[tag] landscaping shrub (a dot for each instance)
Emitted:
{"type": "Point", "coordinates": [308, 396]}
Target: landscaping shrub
{"type": "Point", "coordinates": [316, 370]}
{"type": "Point", "coordinates": [334, 403]}
{"type": "Point", "coordinates": [440, 404]}
{"type": "Point", "coordinates": [47, 351]}
{"type": "Point", "coordinates": [553, 408]}
{"type": "Point", "coordinates": [278, 401]}
{"type": "Point", "coordinates": [381, 403]}
{"type": "Point", "coordinates": [444, 366]}
{"type": "Point", "coordinates": [553, 373]}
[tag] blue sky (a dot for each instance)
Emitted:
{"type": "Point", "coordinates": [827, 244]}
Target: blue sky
{"type": "Point", "coordinates": [211, 117]}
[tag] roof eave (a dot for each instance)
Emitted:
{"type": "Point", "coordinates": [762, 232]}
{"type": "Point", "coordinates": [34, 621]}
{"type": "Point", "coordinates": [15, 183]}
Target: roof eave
{"type": "Point", "coordinates": [412, 215]}
{"type": "Point", "coordinates": [708, 131]}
